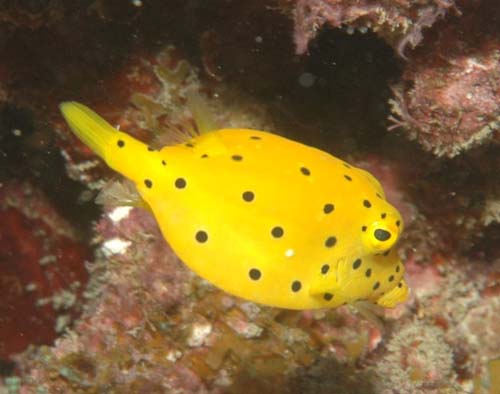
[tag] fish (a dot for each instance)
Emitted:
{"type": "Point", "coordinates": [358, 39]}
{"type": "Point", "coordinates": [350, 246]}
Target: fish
{"type": "Point", "coordinates": [260, 216]}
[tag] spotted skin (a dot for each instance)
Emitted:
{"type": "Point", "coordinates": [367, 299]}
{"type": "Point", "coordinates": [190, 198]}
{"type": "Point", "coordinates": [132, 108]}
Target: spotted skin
{"type": "Point", "coordinates": [262, 217]}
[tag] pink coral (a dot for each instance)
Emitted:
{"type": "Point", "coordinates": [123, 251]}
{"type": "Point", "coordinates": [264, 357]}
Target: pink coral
{"type": "Point", "coordinates": [418, 361]}
{"type": "Point", "coordinates": [399, 22]}
{"type": "Point", "coordinates": [449, 99]}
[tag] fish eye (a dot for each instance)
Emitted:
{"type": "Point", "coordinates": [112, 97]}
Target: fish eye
{"type": "Point", "coordinates": [380, 236]}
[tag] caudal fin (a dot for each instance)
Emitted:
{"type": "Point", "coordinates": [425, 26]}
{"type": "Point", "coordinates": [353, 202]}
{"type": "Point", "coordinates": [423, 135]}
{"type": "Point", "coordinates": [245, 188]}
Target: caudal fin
{"type": "Point", "coordinates": [89, 127]}
{"type": "Point", "coordinates": [122, 152]}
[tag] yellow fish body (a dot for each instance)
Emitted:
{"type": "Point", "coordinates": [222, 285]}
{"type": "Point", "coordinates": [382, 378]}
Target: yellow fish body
{"type": "Point", "coordinates": [260, 216]}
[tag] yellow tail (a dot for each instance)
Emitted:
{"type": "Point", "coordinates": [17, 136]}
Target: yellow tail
{"type": "Point", "coordinates": [122, 152]}
{"type": "Point", "coordinates": [89, 127]}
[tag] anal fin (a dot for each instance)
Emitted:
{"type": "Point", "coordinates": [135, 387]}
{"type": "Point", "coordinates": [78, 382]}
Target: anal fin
{"type": "Point", "coordinates": [396, 296]}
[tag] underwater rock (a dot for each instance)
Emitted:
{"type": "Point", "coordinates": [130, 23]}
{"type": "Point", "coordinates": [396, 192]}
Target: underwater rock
{"type": "Point", "coordinates": [449, 96]}
{"type": "Point", "coordinates": [400, 23]}
{"type": "Point", "coordinates": [418, 360]}
{"type": "Point", "coordinates": [42, 270]}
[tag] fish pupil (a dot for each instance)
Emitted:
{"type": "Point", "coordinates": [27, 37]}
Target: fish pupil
{"type": "Point", "coordinates": [382, 235]}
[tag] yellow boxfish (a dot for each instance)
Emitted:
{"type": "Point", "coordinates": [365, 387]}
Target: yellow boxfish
{"type": "Point", "coordinates": [260, 216]}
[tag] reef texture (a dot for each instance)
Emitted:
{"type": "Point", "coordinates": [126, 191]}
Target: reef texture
{"type": "Point", "coordinates": [398, 22]}
{"type": "Point", "coordinates": [42, 270]}
{"type": "Point", "coordinates": [449, 96]}
{"type": "Point", "coordinates": [148, 324]}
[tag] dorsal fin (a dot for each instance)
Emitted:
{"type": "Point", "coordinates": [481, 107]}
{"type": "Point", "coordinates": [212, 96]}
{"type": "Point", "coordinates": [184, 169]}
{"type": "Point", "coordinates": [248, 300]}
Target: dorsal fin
{"type": "Point", "coordinates": [200, 128]}
{"type": "Point", "coordinates": [207, 142]}
{"type": "Point", "coordinates": [202, 115]}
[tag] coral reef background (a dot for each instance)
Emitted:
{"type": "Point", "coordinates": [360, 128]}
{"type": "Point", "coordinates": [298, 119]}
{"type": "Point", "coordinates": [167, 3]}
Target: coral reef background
{"type": "Point", "coordinates": [94, 301]}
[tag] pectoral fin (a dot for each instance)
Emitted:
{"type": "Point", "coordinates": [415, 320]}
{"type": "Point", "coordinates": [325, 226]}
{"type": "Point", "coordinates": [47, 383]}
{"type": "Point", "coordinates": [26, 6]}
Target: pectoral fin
{"type": "Point", "coordinates": [397, 295]}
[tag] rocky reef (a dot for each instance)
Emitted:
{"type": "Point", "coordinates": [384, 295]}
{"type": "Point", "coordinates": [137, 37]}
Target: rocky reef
{"type": "Point", "coordinates": [95, 300]}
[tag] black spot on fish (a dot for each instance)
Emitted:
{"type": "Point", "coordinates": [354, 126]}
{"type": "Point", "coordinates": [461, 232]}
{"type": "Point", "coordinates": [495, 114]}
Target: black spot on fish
{"type": "Point", "coordinates": [376, 285]}
{"type": "Point", "coordinates": [330, 242]}
{"type": "Point", "coordinates": [348, 178]}
{"type": "Point", "coordinates": [148, 183]}
{"type": "Point", "coordinates": [180, 183]}
{"type": "Point", "coordinates": [248, 196]}
{"type": "Point", "coordinates": [305, 171]}
{"type": "Point", "coordinates": [237, 157]}
{"type": "Point", "coordinates": [327, 296]}
{"type": "Point", "coordinates": [367, 204]}
{"type": "Point", "coordinates": [328, 208]}
{"type": "Point", "coordinates": [120, 143]}
{"type": "Point", "coordinates": [356, 264]}
{"type": "Point", "coordinates": [201, 236]}
{"type": "Point", "coordinates": [254, 274]}
{"type": "Point", "coordinates": [325, 268]}
{"type": "Point", "coordinates": [296, 286]}
{"type": "Point", "coordinates": [368, 272]}
{"type": "Point", "coordinates": [277, 232]}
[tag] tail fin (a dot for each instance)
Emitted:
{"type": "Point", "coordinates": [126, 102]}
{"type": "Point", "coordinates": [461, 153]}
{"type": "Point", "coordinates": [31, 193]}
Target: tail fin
{"type": "Point", "coordinates": [89, 127]}
{"type": "Point", "coordinates": [122, 152]}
